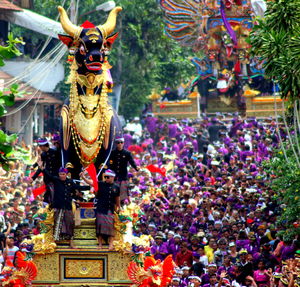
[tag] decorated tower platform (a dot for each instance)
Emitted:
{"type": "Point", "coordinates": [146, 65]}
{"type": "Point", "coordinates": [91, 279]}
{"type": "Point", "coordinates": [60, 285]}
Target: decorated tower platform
{"type": "Point", "coordinates": [256, 106]}
{"type": "Point", "coordinates": [85, 264]}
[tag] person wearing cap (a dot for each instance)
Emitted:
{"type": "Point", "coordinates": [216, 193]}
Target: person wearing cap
{"type": "Point", "coordinates": [211, 270]}
{"type": "Point", "coordinates": [197, 281]}
{"type": "Point", "coordinates": [212, 281]}
{"type": "Point", "coordinates": [118, 162]}
{"type": "Point", "coordinates": [64, 191]}
{"type": "Point", "coordinates": [175, 282]}
{"type": "Point", "coordinates": [221, 251]}
{"type": "Point", "coordinates": [159, 249]}
{"type": "Point", "coordinates": [51, 160]}
{"type": "Point", "coordinates": [185, 278]}
{"type": "Point", "coordinates": [108, 202]}
{"type": "Point", "coordinates": [245, 266]}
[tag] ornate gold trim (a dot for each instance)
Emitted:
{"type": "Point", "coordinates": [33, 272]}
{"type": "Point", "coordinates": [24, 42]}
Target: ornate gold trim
{"type": "Point", "coordinates": [90, 81]}
{"type": "Point", "coordinates": [65, 126]}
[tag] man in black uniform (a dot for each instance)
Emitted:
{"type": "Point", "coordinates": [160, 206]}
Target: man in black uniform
{"type": "Point", "coordinates": [51, 160]}
{"type": "Point", "coordinates": [108, 201]}
{"type": "Point", "coordinates": [118, 162]}
{"type": "Point", "coordinates": [64, 191]}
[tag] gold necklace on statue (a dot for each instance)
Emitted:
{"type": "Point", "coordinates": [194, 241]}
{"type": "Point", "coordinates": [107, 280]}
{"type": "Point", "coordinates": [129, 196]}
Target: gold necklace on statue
{"type": "Point", "coordinates": [91, 116]}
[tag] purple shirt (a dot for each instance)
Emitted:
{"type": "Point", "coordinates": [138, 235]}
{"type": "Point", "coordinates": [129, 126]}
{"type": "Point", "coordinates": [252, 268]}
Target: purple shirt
{"type": "Point", "coordinates": [163, 248]}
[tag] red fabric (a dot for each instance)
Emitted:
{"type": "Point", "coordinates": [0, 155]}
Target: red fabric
{"type": "Point", "coordinates": [184, 258]}
{"type": "Point", "coordinates": [87, 24]}
{"type": "Point", "coordinates": [237, 68]}
{"type": "Point", "coordinates": [32, 174]}
{"type": "Point", "coordinates": [39, 191]}
{"type": "Point", "coordinates": [91, 169]}
{"type": "Point", "coordinates": [154, 168]}
{"type": "Point", "coordinates": [135, 149]}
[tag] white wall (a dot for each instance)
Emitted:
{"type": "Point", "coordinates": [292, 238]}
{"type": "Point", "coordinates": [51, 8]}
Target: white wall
{"type": "Point", "coordinates": [40, 76]}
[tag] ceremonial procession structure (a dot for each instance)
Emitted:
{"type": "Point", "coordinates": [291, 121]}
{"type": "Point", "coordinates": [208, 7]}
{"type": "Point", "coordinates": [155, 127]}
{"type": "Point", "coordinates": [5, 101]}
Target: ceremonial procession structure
{"type": "Point", "coordinates": [69, 252]}
{"type": "Point", "coordinates": [177, 197]}
{"type": "Point", "coordinates": [228, 78]}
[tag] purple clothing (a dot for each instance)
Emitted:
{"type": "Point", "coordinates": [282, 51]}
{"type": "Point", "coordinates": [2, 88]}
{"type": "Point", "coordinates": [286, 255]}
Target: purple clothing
{"type": "Point", "coordinates": [175, 149]}
{"type": "Point", "coordinates": [245, 154]}
{"type": "Point", "coordinates": [195, 145]}
{"type": "Point", "coordinates": [242, 244]}
{"type": "Point", "coordinates": [163, 248]}
{"type": "Point", "coordinates": [172, 130]}
{"type": "Point", "coordinates": [173, 249]}
{"type": "Point", "coordinates": [230, 270]}
{"type": "Point", "coordinates": [252, 249]}
{"type": "Point", "coordinates": [205, 279]}
{"type": "Point", "coordinates": [288, 251]}
{"type": "Point", "coordinates": [127, 140]}
{"type": "Point", "coordinates": [151, 124]}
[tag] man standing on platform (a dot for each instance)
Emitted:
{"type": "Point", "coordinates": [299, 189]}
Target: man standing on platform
{"type": "Point", "coordinates": [108, 201]}
{"type": "Point", "coordinates": [51, 160]}
{"type": "Point", "coordinates": [64, 191]}
{"type": "Point", "coordinates": [118, 162]}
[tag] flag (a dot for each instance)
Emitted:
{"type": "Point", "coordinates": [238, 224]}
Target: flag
{"type": "Point", "coordinates": [32, 174]}
{"type": "Point", "coordinates": [39, 190]}
{"type": "Point", "coordinates": [91, 169]}
{"type": "Point", "coordinates": [153, 168]}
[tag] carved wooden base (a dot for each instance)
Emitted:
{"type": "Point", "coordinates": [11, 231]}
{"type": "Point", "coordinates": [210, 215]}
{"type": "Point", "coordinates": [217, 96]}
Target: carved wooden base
{"type": "Point", "coordinates": [82, 267]}
{"type": "Point", "coordinates": [85, 265]}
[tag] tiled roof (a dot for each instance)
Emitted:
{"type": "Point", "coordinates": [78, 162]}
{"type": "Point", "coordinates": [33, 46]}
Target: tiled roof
{"type": "Point", "coordinates": [5, 4]}
{"type": "Point", "coordinates": [43, 98]}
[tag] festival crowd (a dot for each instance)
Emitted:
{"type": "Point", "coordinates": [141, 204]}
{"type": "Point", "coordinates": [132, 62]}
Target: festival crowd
{"type": "Point", "coordinates": [210, 207]}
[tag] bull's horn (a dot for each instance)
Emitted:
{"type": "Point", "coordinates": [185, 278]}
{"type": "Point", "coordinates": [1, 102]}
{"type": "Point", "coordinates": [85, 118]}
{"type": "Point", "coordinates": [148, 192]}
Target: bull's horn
{"type": "Point", "coordinates": [67, 25]}
{"type": "Point", "coordinates": [111, 21]}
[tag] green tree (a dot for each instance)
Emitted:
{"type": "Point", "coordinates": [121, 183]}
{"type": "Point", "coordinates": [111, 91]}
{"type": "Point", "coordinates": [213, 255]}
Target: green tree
{"type": "Point", "coordinates": [285, 181]}
{"type": "Point", "coordinates": [7, 99]}
{"type": "Point", "coordinates": [276, 41]}
{"type": "Point", "coordinates": [149, 59]}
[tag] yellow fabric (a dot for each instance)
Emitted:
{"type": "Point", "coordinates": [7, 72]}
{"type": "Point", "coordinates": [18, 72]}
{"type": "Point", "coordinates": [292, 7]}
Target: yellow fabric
{"type": "Point", "coordinates": [209, 252]}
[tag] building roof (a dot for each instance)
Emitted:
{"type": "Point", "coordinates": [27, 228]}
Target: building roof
{"type": "Point", "coordinates": [42, 97]}
{"type": "Point", "coordinates": [6, 5]}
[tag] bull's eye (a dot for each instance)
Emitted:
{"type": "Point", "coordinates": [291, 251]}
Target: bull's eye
{"type": "Point", "coordinates": [82, 50]}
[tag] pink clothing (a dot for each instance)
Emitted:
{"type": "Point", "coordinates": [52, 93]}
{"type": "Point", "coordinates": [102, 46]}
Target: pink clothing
{"type": "Point", "coordinates": [261, 278]}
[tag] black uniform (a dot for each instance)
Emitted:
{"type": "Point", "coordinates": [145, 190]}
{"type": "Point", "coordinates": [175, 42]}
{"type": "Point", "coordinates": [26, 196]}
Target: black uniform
{"type": "Point", "coordinates": [64, 191]}
{"type": "Point", "coordinates": [106, 201]}
{"type": "Point", "coordinates": [106, 197]}
{"type": "Point", "coordinates": [118, 162]}
{"type": "Point", "coordinates": [52, 162]}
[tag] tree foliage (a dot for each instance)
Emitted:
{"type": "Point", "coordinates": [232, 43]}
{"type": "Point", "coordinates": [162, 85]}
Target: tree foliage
{"type": "Point", "coordinates": [143, 58]}
{"type": "Point", "coordinates": [276, 40]}
{"type": "Point", "coordinates": [7, 99]}
{"type": "Point", "coordinates": [149, 59]}
{"type": "Point", "coordinates": [285, 181]}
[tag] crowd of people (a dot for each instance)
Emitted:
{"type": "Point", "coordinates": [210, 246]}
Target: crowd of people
{"type": "Point", "coordinates": [212, 208]}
